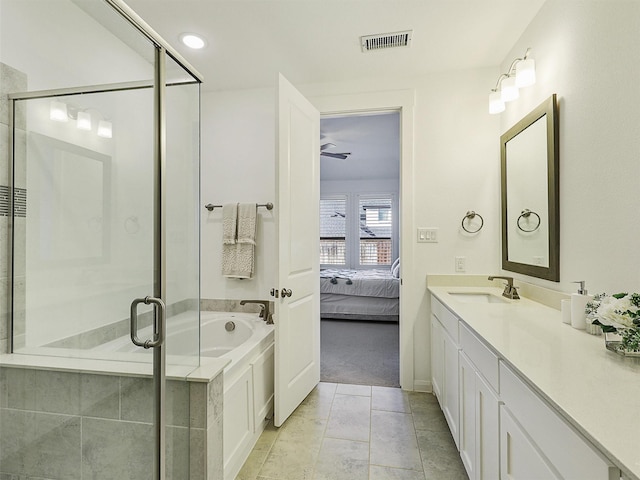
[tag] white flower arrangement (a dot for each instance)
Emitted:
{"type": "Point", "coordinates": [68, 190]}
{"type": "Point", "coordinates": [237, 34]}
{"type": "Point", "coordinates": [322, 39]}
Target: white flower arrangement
{"type": "Point", "coordinates": [617, 313]}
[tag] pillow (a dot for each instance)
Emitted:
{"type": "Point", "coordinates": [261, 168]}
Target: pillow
{"type": "Point", "coordinates": [395, 264]}
{"type": "Point", "coordinates": [396, 271]}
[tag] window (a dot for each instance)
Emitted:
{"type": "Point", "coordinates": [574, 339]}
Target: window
{"type": "Point", "coordinates": [333, 247]}
{"type": "Point", "coordinates": [357, 230]}
{"type": "Point", "coordinates": [375, 231]}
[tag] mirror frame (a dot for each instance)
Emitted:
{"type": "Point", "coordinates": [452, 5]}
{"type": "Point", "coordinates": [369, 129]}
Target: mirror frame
{"type": "Point", "coordinates": [548, 108]}
{"type": "Point", "coordinates": [48, 146]}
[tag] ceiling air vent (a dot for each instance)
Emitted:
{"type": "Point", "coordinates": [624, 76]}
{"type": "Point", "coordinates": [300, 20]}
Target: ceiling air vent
{"type": "Point", "coordinates": [386, 40]}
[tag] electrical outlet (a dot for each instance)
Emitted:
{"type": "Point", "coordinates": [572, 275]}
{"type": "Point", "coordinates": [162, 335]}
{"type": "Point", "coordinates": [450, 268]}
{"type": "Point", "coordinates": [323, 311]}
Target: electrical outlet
{"type": "Point", "coordinates": [461, 264]}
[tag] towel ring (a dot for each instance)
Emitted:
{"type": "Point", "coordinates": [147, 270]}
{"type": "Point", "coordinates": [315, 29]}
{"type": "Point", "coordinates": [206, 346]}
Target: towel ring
{"type": "Point", "coordinates": [470, 215]}
{"type": "Point", "coordinates": [526, 213]}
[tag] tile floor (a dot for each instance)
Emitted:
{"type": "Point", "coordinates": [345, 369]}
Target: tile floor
{"type": "Point", "coordinates": [356, 432]}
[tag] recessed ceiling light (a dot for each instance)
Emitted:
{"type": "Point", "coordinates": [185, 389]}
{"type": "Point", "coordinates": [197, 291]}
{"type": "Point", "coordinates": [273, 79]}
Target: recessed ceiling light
{"type": "Point", "coordinates": [192, 40]}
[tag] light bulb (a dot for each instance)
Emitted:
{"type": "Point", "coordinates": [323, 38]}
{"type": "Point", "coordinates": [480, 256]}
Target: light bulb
{"type": "Point", "coordinates": [193, 41]}
{"type": "Point", "coordinates": [526, 73]}
{"type": "Point", "coordinates": [58, 111]}
{"type": "Point", "coordinates": [509, 90]}
{"type": "Point", "coordinates": [105, 129]}
{"type": "Point", "coordinates": [496, 105]}
{"type": "Point", "coordinates": [84, 121]}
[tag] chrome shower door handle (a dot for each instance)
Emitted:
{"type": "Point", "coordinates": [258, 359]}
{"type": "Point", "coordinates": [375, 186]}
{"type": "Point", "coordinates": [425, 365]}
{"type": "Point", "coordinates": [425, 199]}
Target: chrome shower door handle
{"type": "Point", "coordinates": [159, 322]}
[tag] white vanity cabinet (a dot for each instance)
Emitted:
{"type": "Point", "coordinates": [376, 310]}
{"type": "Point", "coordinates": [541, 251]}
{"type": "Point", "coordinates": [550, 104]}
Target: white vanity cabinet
{"type": "Point", "coordinates": [533, 437]}
{"type": "Point", "coordinates": [521, 459]}
{"type": "Point", "coordinates": [444, 341]}
{"type": "Point", "coordinates": [479, 408]}
{"type": "Point", "coordinates": [503, 426]}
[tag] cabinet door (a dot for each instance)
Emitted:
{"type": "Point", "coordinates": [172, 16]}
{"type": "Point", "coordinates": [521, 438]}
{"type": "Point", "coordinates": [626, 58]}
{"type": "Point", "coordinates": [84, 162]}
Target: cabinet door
{"type": "Point", "coordinates": [519, 458]}
{"type": "Point", "coordinates": [487, 431]}
{"type": "Point", "coordinates": [468, 414]}
{"type": "Point", "coordinates": [436, 358]}
{"type": "Point", "coordinates": [450, 404]}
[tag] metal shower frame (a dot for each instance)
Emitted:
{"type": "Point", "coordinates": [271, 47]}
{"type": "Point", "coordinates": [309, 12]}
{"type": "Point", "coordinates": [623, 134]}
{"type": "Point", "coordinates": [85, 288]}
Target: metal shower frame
{"type": "Point", "coordinates": [162, 48]}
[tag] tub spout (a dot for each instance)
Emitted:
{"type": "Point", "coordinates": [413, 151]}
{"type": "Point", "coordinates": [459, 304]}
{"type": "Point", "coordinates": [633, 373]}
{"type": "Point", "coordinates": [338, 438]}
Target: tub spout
{"type": "Point", "coordinates": [265, 314]}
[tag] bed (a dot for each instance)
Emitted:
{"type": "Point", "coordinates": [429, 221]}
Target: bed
{"type": "Point", "coordinates": [360, 294]}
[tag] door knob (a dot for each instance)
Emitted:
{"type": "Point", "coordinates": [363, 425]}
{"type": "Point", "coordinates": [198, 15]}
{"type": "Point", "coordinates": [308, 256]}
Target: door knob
{"type": "Point", "coordinates": [286, 292]}
{"type": "Point", "coordinates": [274, 293]}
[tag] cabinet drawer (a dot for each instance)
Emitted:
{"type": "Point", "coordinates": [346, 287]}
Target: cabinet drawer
{"type": "Point", "coordinates": [448, 320]}
{"type": "Point", "coordinates": [555, 438]}
{"type": "Point", "coordinates": [484, 359]}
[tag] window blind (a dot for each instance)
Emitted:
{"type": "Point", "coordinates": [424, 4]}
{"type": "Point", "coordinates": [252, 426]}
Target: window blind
{"type": "Point", "coordinates": [376, 225]}
{"type": "Point", "coordinates": [333, 227]}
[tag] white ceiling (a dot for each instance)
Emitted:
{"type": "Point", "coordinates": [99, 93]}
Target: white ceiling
{"type": "Point", "coordinates": [372, 140]}
{"type": "Point", "coordinates": [317, 41]}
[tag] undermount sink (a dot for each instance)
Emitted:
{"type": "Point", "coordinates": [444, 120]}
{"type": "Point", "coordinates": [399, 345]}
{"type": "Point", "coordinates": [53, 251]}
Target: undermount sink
{"type": "Point", "coordinates": [476, 297]}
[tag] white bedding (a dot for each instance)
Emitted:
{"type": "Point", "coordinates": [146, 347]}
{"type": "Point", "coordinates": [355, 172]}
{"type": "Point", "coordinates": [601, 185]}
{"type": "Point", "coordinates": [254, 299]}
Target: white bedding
{"type": "Point", "coordinates": [351, 307]}
{"type": "Point", "coordinates": [362, 283]}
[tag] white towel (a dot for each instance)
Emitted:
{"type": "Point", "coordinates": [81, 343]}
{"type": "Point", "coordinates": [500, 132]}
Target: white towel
{"type": "Point", "coordinates": [229, 223]}
{"type": "Point", "coordinates": [238, 260]}
{"type": "Point", "coordinates": [247, 213]}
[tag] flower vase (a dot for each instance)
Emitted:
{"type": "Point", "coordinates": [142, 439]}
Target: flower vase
{"type": "Point", "coordinates": [614, 341]}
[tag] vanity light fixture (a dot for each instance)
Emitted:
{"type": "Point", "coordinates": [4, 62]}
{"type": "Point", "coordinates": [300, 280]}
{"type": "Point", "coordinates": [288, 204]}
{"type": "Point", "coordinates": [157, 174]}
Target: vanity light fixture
{"type": "Point", "coordinates": [58, 111]}
{"type": "Point", "coordinates": [192, 40]}
{"type": "Point", "coordinates": [83, 122]}
{"type": "Point", "coordinates": [521, 73]}
{"type": "Point", "coordinates": [61, 112]}
{"type": "Point", "coordinates": [105, 129]}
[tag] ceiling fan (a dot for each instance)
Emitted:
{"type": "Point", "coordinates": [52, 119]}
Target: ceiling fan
{"type": "Point", "coordinates": [340, 155]}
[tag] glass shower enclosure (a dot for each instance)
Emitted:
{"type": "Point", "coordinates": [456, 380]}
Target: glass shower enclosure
{"type": "Point", "coordinates": [104, 246]}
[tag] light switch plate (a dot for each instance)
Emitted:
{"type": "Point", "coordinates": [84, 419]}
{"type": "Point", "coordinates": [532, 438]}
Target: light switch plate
{"type": "Point", "coordinates": [461, 264]}
{"type": "Point", "coordinates": [427, 235]}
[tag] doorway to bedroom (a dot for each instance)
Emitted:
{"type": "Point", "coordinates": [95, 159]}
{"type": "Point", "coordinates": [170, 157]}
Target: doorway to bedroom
{"type": "Point", "coordinates": [359, 248]}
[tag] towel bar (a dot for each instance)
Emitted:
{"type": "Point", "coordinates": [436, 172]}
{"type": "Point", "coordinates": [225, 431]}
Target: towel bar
{"type": "Point", "coordinates": [268, 206]}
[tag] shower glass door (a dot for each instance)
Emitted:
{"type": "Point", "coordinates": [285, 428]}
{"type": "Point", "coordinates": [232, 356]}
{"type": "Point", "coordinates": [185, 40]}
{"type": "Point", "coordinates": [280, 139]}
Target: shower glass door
{"type": "Point", "coordinates": [105, 175]}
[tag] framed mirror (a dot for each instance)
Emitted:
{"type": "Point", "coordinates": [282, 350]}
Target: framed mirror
{"type": "Point", "coordinates": [70, 202]}
{"type": "Point", "coordinates": [530, 194]}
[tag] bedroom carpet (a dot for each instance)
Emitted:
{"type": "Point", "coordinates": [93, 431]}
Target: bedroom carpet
{"type": "Point", "coordinates": [360, 352]}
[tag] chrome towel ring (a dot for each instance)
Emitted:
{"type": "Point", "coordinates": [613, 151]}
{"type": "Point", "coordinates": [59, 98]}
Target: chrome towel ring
{"type": "Point", "coordinates": [469, 216]}
{"type": "Point", "coordinates": [526, 213]}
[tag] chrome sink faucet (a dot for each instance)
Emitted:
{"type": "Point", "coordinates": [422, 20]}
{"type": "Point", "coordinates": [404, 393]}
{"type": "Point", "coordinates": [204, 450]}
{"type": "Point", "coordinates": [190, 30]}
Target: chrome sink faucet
{"type": "Point", "coordinates": [265, 314]}
{"type": "Point", "coordinates": [510, 291]}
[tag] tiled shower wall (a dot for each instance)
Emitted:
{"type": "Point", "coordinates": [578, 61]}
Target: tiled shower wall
{"type": "Point", "coordinates": [11, 80]}
{"type": "Point", "coordinates": [79, 426]}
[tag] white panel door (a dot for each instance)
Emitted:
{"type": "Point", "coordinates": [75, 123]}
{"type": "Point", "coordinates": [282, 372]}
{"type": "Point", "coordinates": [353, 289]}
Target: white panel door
{"type": "Point", "coordinates": [297, 312]}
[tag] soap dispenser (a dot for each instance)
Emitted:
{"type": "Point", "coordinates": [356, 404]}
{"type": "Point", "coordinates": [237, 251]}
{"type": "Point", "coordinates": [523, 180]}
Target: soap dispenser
{"type": "Point", "coordinates": [578, 303]}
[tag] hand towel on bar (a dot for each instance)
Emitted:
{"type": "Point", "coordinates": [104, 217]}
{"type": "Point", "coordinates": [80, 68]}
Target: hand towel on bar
{"type": "Point", "coordinates": [238, 260]}
{"type": "Point", "coordinates": [229, 223]}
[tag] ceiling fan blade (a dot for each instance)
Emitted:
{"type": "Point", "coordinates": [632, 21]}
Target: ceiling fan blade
{"type": "Point", "coordinates": [324, 146]}
{"type": "Point", "coordinates": [341, 156]}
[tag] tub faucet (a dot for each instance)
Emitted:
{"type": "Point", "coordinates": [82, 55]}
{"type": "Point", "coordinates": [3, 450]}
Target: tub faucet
{"type": "Point", "coordinates": [510, 291]}
{"type": "Point", "coordinates": [265, 314]}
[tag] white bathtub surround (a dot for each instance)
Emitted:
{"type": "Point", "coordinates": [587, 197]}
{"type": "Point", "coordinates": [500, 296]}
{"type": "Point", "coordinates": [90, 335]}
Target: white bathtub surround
{"type": "Point", "coordinates": [566, 371]}
{"type": "Point", "coordinates": [248, 391]}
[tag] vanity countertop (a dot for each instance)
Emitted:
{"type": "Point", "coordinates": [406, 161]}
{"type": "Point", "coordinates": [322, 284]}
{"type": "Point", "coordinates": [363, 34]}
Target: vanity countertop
{"type": "Point", "coordinates": [595, 390]}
